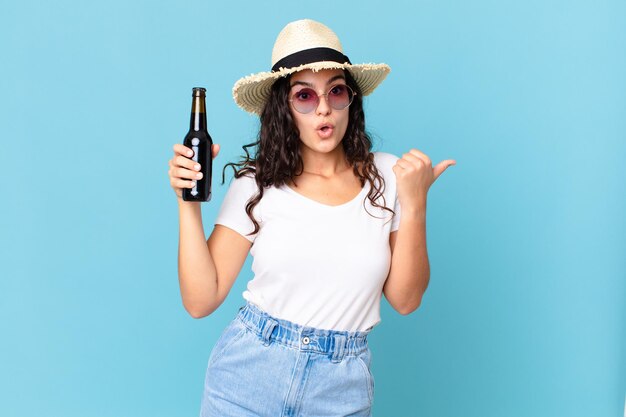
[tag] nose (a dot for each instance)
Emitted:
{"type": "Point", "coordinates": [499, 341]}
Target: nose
{"type": "Point", "coordinates": [323, 107]}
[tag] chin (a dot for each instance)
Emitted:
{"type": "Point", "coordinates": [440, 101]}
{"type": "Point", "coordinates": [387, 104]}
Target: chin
{"type": "Point", "coordinates": [325, 146]}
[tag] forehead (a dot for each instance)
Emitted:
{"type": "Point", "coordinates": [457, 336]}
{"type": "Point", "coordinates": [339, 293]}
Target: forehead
{"type": "Point", "coordinates": [320, 77]}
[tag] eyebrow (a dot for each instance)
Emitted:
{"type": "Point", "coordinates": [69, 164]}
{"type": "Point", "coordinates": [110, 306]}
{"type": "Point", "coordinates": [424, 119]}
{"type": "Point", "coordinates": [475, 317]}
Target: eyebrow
{"type": "Point", "coordinates": [335, 78]}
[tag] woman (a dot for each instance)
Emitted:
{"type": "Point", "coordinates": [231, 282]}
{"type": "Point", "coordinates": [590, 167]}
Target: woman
{"type": "Point", "coordinates": [311, 206]}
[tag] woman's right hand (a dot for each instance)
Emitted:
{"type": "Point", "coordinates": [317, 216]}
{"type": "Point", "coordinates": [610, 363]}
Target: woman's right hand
{"type": "Point", "coordinates": [184, 170]}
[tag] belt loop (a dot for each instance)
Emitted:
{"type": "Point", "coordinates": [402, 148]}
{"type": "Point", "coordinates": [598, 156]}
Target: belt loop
{"type": "Point", "coordinates": [339, 349]}
{"type": "Point", "coordinates": [268, 328]}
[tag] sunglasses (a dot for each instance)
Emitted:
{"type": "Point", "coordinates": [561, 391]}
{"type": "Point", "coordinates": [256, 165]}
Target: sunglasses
{"type": "Point", "coordinates": [306, 100]}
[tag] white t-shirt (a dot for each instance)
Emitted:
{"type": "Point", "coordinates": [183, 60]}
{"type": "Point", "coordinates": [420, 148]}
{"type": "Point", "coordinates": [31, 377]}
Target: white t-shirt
{"type": "Point", "coordinates": [314, 264]}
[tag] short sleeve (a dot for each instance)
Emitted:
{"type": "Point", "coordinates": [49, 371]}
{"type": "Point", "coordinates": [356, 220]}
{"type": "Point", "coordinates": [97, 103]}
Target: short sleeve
{"type": "Point", "coordinates": [385, 162]}
{"type": "Point", "coordinates": [232, 213]}
{"type": "Point", "coordinates": [395, 222]}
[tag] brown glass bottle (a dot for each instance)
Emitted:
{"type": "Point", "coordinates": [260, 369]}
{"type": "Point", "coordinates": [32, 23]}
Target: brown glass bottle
{"type": "Point", "coordinates": [200, 142]}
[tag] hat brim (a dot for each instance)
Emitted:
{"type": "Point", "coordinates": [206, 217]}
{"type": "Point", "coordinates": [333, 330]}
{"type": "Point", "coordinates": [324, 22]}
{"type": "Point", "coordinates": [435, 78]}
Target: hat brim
{"type": "Point", "coordinates": [251, 92]}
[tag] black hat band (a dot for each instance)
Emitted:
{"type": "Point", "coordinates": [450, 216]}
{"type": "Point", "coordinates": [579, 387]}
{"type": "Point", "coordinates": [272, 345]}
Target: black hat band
{"type": "Point", "coordinates": [309, 56]}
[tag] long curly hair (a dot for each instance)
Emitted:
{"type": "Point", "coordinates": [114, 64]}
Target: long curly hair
{"type": "Point", "coordinates": [277, 150]}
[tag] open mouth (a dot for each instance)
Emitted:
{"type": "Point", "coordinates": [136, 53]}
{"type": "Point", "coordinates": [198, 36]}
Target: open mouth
{"type": "Point", "coordinates": [324, 127]}
{"type": "Point", "coordinates": [325, 131]}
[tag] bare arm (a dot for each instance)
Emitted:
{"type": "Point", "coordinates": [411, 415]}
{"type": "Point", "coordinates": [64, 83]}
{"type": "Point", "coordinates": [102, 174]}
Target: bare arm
{"type": "Point", "coordinates": [410, 270]}
{"type": "Point", "coordinates": [197, 274]}
{"type": "Point", "coordinates": [207, 269]}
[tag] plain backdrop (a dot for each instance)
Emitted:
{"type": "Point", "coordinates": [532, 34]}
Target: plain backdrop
{"type": "Point", "coordinates": [525, 314]}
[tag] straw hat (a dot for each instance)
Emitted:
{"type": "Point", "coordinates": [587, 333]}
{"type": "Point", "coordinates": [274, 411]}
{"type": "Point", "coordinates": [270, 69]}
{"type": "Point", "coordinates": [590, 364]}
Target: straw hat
{"type": "Point", "coordinates": [304, 44]}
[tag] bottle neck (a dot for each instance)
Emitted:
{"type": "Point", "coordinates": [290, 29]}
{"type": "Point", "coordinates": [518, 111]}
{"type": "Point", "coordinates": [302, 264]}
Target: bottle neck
{"type": "Point", "coordinates": [198, 114]}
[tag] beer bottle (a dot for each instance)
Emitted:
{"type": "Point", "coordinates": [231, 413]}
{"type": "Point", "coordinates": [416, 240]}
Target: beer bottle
{"type": "Point", "coordinates": [199, 141]}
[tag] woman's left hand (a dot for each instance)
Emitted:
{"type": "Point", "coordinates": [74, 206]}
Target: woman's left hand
{"type": "Point", "coordinates": [414, 176]}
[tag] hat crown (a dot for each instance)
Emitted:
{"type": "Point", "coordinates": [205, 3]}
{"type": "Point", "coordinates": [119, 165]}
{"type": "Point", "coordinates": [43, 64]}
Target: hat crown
{"type": "Point", "coordinates": [301, 35]}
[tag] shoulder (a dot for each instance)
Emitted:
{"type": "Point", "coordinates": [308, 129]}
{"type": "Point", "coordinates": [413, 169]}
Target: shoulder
{"type": "Point", "coordinates": [245, 183]}
{"type": "Point", "coordinates": [246, 177]}
{"type": "Point", "coordinates": [384, 161]}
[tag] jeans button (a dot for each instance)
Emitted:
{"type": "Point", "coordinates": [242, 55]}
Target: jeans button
{"type": "Point", "coordinates": [306, 340]}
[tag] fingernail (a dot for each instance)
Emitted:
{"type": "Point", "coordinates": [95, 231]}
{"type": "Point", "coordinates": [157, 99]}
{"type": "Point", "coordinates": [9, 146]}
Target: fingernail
{"type": "Point", "coordinates": [189, 153]}
{"type": "Point", "coordinates": [199, 175]}
{"type": "Point", "coordinates": [197, 167]}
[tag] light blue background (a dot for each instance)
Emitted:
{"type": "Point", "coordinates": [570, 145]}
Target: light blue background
{"type": "Point", "coordinates": [526, 310]}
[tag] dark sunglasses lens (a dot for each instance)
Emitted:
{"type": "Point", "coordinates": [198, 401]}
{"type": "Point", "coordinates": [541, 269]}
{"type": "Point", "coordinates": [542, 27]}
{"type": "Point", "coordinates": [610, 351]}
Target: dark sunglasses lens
{"type": "Point", "coordinates": [305, 100]}
{"type": "Point", "coordinates": [340, 96]}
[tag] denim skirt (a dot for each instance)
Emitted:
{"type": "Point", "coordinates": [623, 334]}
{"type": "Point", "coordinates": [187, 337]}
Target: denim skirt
{"type": "Point", "coordinates": [263, 366]}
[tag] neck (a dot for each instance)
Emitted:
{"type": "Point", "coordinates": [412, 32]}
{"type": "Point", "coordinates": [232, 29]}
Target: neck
{"type": "Point", "coordinates": [324, 164]}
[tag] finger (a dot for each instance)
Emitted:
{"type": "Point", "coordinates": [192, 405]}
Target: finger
{"type": "Point", "coordinates": [187, 174]}
{"type": "Point", "coordinates": [215, 150]}
{"type": "Point", "coordinates": [414, 160]}
{"type": "Point", "coordinates": [403, 163]}
{"type": "Point", "coordinates": [183, 150]}
{"type": "Point", "coordinates": [185, 162]}
{"type": "Point", "coordinates": [421, 155]}
{"type": "Point", "coordinates": [442, 166]}
{"type": "Point", "coordinates": [178, 183]}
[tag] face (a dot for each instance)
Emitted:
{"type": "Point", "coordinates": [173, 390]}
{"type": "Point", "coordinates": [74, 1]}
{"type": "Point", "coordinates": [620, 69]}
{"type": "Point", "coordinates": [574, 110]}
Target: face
{"type": "Point", "coordinates": [323, 128]}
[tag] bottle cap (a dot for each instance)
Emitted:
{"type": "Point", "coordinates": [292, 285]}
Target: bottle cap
{"type": "Point", "coordinates": [198, 92]}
